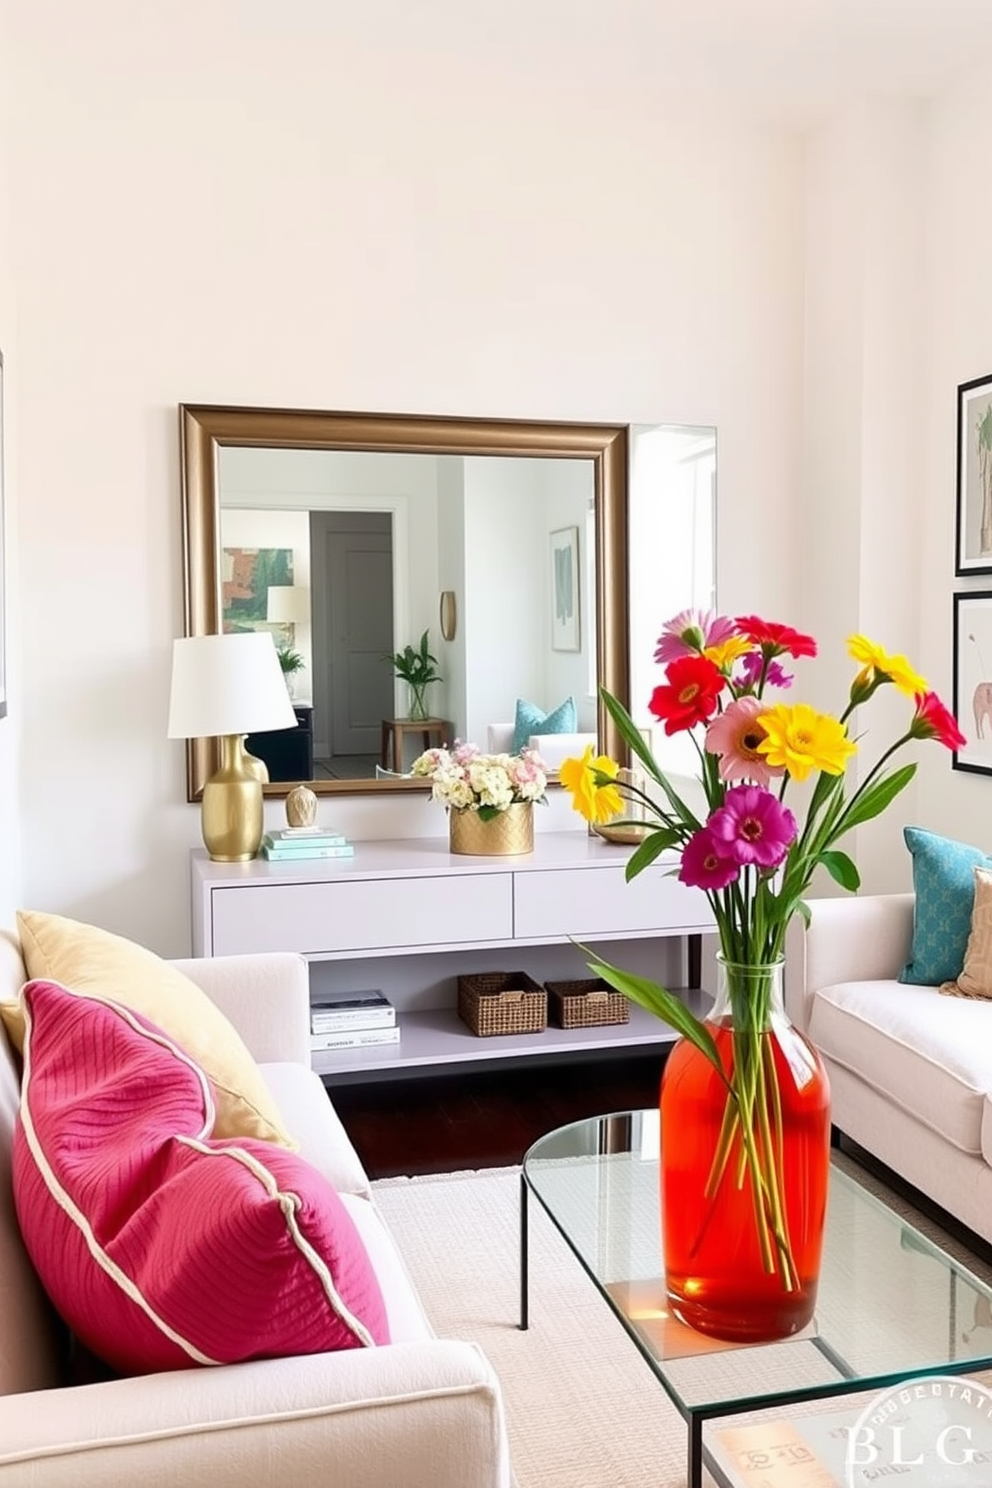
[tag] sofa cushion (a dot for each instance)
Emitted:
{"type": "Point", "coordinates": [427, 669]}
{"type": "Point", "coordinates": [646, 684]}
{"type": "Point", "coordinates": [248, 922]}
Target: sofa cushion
{"type": "Point", "coordinates": [930, 1055]}
{"type": "Point", "coordinates": [975, 979]}
{"type": "Point", "coordinates": [92, 960]}
{"type": "Point", "coordinates": [159, 1245]}
{"type": "Point", "coordinates": [530, 719]}
{"type": "Point", "coordinates": [945, 892]}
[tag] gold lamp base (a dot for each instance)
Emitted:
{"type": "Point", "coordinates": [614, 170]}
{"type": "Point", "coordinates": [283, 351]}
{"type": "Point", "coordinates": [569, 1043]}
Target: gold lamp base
{"type": "Point", "coordinates": [231, 813]}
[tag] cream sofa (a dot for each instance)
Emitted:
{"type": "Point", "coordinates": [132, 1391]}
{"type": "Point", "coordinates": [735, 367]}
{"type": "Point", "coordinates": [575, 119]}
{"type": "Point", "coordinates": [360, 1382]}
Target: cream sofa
{"type": "Point", "coordinates": [421, 1412]}
{"type": "Point", "coordinates": [910, 1069]}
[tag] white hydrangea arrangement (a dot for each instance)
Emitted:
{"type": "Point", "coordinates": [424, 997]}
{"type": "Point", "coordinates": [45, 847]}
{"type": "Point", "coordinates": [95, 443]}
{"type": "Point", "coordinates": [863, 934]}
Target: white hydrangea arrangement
{"type": "Point", "coordinates": [465, 779]}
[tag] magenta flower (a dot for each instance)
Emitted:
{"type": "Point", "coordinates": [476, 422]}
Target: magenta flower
{"type": "Point", "coordinates": [749, 674]}
{"type": "Point", "coordinates": [752, 827]}
{"type": "Point", "coordinates": [690, 632]}
{"type": "Point", "coordinates": [735, 735]}
{"type": "Point", "coordinates": [702, 866]}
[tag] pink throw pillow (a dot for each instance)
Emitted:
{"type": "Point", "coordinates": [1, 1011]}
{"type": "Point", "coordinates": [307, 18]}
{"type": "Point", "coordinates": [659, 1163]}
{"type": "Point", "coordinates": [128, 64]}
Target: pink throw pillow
{"type": "Point", "coordinates": [159, 1245]}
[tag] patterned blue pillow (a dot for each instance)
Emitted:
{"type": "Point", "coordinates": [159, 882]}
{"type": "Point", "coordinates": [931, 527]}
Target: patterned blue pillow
{"type": "Point", "coordinates": [944, 884]}
{"type": "Point", "coordinates": [532, 720]}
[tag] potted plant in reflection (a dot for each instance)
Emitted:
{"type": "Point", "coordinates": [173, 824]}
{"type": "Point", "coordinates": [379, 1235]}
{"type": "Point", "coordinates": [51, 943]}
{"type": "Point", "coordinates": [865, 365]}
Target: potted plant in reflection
{"type": "Point", "coordinates": [418, 669]}
{"type": "Point", "coordinates": [292, 664]}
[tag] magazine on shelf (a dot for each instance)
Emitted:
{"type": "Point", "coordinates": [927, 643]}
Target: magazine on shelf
{"type": "Point", "coordinates": [354, 1038]}
{"type": "Point", "coordinates": [352, 1010]}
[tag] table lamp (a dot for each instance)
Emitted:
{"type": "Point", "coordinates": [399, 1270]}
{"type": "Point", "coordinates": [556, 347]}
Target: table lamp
{"type": "Point", "coordinates": [288, 602]}
{"type": "Point", "coordinates": [227, 686]}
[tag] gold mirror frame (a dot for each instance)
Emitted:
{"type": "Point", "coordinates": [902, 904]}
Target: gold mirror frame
{"type": "Point", "coordinates": [204, 428]}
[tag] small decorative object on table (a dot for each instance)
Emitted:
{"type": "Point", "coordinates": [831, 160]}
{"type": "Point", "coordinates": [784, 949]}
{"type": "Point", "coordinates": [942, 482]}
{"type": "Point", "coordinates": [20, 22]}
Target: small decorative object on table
{"type": "Point", "coordinates": [418, 669]}
{"type": "Point", "coordinates": [489, 797]}
{"type": "Point", "coordinates": [301, 807]}
{"type": "Point", "coordinates": [745, 1103]}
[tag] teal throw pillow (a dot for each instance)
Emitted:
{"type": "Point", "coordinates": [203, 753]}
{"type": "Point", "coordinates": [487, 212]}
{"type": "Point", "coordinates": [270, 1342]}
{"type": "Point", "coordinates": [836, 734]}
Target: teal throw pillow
{"type": "Point", "coordinates": [533, 720]}
{"type": "Point", "coordinates": [944, 883]}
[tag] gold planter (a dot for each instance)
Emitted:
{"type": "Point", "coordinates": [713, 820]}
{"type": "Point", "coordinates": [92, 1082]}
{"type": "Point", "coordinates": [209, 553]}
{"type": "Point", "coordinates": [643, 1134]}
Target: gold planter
{"type": "Point", "coordinates": [509, 833]}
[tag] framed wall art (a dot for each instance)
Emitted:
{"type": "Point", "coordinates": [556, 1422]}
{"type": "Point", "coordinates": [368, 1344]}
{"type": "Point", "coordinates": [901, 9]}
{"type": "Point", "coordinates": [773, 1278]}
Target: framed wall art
{"type": "Point", "coordinates": [565, 633]}
{"type": "Point", "coordinates": [973, 680]}
{"type": "Point", "coordinates": [974, 509]}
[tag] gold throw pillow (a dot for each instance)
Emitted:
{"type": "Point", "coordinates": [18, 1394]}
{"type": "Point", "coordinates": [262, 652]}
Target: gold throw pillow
{"type": "Point", "coordinates": [975, 978]}
{"type": "Point", "coordinates": [87, 959]}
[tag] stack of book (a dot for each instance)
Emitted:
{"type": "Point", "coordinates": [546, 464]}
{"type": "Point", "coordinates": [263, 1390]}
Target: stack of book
{"type": "Point", "coordinates": [291, 844]}
{"type": "Point", "coordinates": [351, 1020]}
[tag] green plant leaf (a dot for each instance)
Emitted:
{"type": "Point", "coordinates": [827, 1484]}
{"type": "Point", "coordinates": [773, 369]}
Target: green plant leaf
{"type": "Point", "coordinates": [663, 1004]}
{"type": "Point", "coordinates": [651, 848]}
{"type": "Point", "coordinates": [875, 800]}
{"type": "Point", "coordinates": [842, 870]}
{"type": "Point", "coordinates": [633, 737]}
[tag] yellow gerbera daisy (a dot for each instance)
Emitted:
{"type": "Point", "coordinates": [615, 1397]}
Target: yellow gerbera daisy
{"type": "Point", "coordinates": [877, 664]}
{"type": "Point", "coordinates": [802, 740]}
{"type": "Point", "coordinates": [725, 653]}
{"type": "Point", "coordinates": [596, 803]}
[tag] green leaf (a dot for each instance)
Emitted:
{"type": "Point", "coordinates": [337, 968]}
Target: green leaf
{"type": "Point", "coordinates": [633, 737]}
{"type": "Point", "coordinates": [875, 800]}
{"type": "Point", "coordinates": [842, 870]}
{"type": "Point", "coordinates": [651, 848]}
{"type": "Point", "coordinates": [663, 1004]}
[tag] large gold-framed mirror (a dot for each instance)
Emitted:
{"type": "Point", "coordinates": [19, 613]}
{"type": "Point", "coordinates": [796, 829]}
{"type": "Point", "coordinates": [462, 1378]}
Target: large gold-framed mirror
{"type": "Point", "coordinates": [245, 467]}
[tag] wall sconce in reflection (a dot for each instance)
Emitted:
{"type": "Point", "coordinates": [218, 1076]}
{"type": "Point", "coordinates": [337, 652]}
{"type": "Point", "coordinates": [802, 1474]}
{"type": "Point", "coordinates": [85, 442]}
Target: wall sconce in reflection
{"type": "Point", "coordinates": [448, 614]}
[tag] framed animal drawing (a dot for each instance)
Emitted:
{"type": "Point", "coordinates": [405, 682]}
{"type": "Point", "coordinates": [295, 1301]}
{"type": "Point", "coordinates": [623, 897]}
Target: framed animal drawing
{"type": "Point", "coordinates": [973, 680]}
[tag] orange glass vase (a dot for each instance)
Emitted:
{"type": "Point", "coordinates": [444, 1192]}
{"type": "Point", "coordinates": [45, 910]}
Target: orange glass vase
{"type": "Point", "coordinates": [744, 1176]}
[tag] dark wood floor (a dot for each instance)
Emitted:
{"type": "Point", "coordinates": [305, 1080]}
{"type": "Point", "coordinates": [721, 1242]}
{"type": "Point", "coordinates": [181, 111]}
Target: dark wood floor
{"type": "Point", "coordinates": [484, 1118]}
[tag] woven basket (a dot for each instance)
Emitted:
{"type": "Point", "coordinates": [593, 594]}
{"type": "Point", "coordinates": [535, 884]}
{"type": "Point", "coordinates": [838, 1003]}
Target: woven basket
{"type": "Point", "coordinates": [586, 1004]}
{"type": "Point", "coordinates": [492, 1002]}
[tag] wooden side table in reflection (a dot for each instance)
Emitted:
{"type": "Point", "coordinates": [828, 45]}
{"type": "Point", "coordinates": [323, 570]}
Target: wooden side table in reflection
{"type": "Point", "coordinates": [433, 731]}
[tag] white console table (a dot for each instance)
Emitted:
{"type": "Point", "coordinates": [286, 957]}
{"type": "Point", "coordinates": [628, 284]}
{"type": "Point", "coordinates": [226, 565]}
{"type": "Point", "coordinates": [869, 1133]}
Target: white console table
{"type": "Point", "coordinates": [408, 917]}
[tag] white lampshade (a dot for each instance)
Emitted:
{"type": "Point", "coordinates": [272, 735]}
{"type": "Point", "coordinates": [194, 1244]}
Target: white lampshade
{"type": "Point", "coordinates": [288, 602]}
{"type": "Point", "coordinates": [227, 684]}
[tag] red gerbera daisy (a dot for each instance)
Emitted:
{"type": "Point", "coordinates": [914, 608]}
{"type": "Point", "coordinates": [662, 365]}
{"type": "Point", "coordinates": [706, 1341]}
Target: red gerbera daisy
{"type": "Point", "coordinates": [933, 720]}
{"type": "Point", "coordinates": [775, 639]}
{"type": "Point", "coordinates": [690, 695]}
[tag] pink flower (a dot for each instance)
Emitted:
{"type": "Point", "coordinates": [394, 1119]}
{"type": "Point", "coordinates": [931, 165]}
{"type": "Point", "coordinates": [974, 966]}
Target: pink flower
{"type": "Point", "coordinates": [735, 735]}
{"type": "Point", "coordinates": [690, 632]}
{"type": "Point", "coordinates": [752, 827]}
{"type": "Point", "coordinates": [702, 866]}
{"type": "Point", "coordinates": [464, 754]}
{"type": "Point", "coordinates": [750, 673]}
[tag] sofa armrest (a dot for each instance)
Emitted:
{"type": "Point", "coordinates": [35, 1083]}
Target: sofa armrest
{"type": "Point", "coordinates": [265, 995]}
{"type": "Point", "coordinates": [859, 939]}
{"type": "Point", "coordinates": [414, 1415]}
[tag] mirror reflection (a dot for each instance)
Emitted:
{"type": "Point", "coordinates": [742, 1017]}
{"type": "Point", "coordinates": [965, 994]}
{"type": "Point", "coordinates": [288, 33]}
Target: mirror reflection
{"type": "Point", "coordinates": [344, 555]}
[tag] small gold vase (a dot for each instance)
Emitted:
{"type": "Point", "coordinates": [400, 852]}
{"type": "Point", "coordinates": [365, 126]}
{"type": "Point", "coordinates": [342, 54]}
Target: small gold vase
{"type": "Point", "coordinates": [511, 833]}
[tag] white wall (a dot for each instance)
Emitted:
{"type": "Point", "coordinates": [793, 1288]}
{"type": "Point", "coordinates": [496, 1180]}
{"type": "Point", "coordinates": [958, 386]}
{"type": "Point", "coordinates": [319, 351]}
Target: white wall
{"type": "Point", "coordinates": [861, 544]}
{"type": "Point", "coordinates": [959, 329]}
{"type": "Point", "coordinates": [10, 726]}
{"type": "Point", "coordinates": [216, 202]}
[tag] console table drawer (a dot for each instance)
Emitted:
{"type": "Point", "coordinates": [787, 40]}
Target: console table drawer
{"type": "Point", "coordinates": [317, 918]}
{"type": "Point", "coordinates": [571, 902]}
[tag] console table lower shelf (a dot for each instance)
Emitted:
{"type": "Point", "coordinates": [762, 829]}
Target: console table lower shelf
{"type": "Point", "coordinates": [437, 1040]}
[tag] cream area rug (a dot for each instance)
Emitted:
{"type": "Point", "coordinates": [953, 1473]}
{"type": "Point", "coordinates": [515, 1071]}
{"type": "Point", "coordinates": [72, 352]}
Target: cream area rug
{"type": "Point", "coordinates": [583, 1408]}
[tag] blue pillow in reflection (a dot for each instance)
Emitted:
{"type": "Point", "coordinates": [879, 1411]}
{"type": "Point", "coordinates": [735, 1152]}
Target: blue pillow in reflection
{"type": "Point", "coordinates": [533, 720]}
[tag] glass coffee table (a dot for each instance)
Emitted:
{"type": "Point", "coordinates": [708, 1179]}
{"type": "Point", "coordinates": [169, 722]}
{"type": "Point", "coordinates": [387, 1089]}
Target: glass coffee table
{"type": "Point", "coordinates": [891, 1306]}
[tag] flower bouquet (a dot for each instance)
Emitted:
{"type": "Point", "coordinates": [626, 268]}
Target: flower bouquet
{"type": "Point", "coordinates": [489, 796]}
{"type": "Point", "coordinates": [745, 1101]}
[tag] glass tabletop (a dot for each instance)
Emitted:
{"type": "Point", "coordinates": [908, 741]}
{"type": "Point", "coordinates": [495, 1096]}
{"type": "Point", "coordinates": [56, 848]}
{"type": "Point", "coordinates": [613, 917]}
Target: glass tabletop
{"type": "Point", "coordinates": [890, 1304]}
